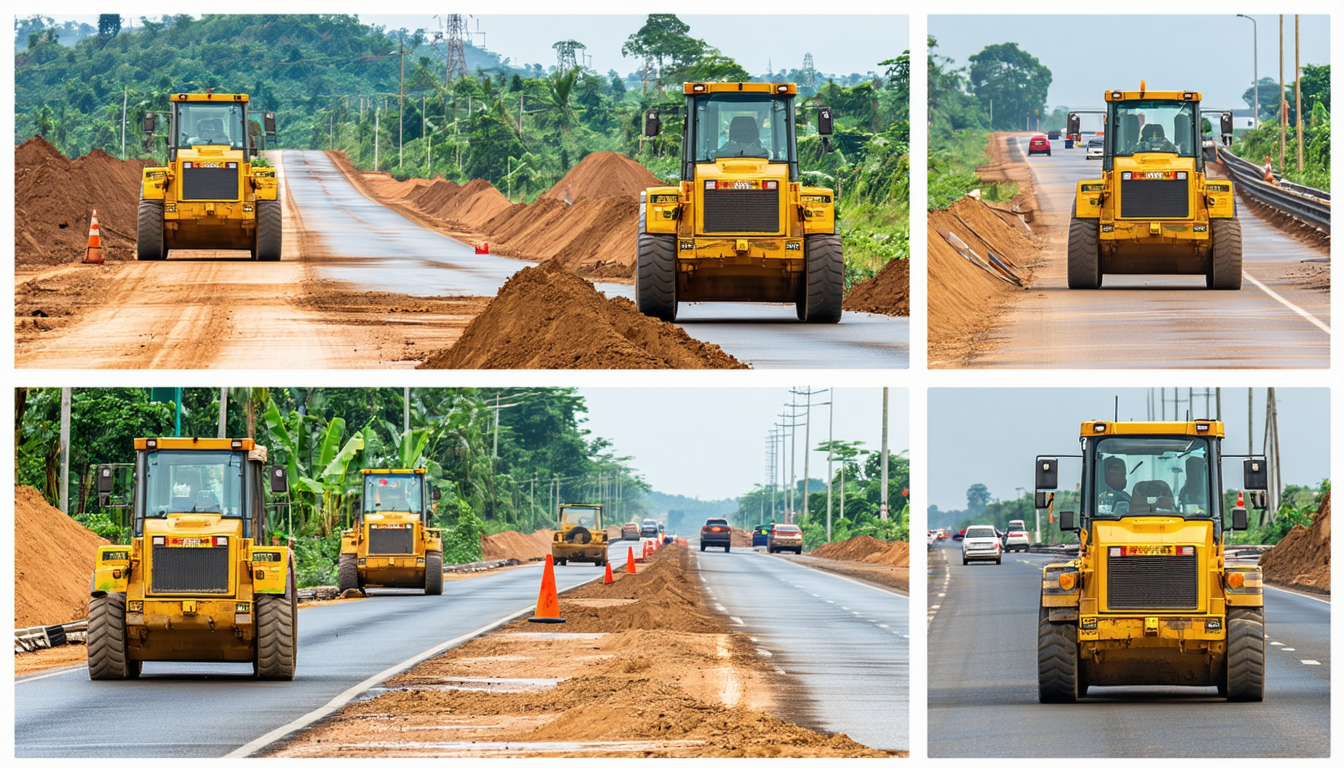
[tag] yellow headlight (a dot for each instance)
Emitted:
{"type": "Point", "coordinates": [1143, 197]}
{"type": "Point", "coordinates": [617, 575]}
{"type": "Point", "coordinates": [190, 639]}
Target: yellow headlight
{"type": "Point", "coordinates": [1066, 581]}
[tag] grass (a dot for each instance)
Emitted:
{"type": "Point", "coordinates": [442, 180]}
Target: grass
{"type": "Point", "coordinates": [952, 163]}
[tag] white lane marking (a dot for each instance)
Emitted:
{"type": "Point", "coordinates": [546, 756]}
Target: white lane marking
{"type": "Point", "coordinates": [739, 621]}
{"type": "Point", "coordinates": [1312, 662]}
{"type": "Point", "coordinates": [720, 608]}
{"type": "Point", "coordinates": [884, 626]}
{"type": "Point", "coordinates": [832, 602]}
{"type": "Point", "coordinates": [1297, 594]}
{"type": "Point", "coordinates": [32, 678]}
{"type": "Point", "coordinates": [818, 571]}
{"type": "Point", "coordinates": [345, 696]}
{"type": "Point", "coordinates": [1287, 649]}
{"type": "Point", "coordinates": [942, 594]}
{"type": "Point", "coordinates": [763, 652]}
{"type": "Point", "coordinates": [1276, 643]}
{"type": "Point", "coordinates": [935, 607]}
{"type": "Point", "coordinates": [1311, 318]}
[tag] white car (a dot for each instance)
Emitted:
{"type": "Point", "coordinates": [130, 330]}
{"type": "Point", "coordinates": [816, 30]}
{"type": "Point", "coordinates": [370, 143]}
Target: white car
{"type": "Point", "coordinates": [1095, 149]}
{"type": "Point", "coordinates": [981, 543]}
{"type": "Point", "coordinates": [1019, 541]}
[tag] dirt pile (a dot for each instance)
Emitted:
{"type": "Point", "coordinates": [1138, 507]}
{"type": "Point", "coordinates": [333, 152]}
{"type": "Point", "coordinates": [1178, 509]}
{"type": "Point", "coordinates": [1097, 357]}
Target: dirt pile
{"type": "Point", "coordinates": [662, 596]}
{"type": "Point", "coordinates": [53, 561]}
{"type": "Point", "coordinates": [741, 538]}
{"type": "Point", "coordinates": [866, 549]}
{"type": "Point", "coordinates": [1302, 559]}
{"type": "Point", "coordinates": [545, 317]}
{"type": "Point", "coordinates": [602, 174]}
{"type": "Point", "coordinates": [886, 293]}
{"type": "Point", "coordinates": [966, 290]}
{"type": "Point", "coordinates": [513, 545]}
{"type": "Point", "coordinates": [54, 197]}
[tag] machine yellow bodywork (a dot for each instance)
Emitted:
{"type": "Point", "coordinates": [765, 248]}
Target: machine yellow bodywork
{"type": "Point", "coordinates": [210, 196]}
{"type": "Point", "coordinates": [1154, 211]}
{"type": "Point", "coordinates": [1150, 598]}
{"type": "Point", "coordinates": [582, 537]}
{"type": "Point", "coordinates": [392, 547]}
{"type": "Point", "coordinates": [739, 228]}
{"type": "Point", "coordinates": [204, 601]}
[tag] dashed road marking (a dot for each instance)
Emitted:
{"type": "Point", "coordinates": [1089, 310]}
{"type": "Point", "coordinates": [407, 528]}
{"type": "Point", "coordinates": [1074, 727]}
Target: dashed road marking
{"type": "Point", "coordinates": [739, 621]}
{"type": "Point", "coordinates": [1276, 643]}
{"type": "Point", "coordinates": [1312, 662]}
{"type": "Point", "coordinates": [1287, 649]}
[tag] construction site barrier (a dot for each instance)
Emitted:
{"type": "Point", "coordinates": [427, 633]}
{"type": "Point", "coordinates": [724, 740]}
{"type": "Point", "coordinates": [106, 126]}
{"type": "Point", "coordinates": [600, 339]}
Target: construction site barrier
{"type": "Point", "coordinates": [1310, 206]}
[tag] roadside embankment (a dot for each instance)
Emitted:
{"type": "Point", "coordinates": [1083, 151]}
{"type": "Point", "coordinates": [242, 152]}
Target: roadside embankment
{"type": "Point", "coordinates": [1302, 559]}
{"type": "Point", "coordinates": [864, 557]}
{"type": "Point", "coordinates": [886, 293]}
{"type": "Point", "coordinates": [53, 562]}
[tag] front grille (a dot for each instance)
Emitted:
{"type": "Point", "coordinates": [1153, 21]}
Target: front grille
{"type": "Point", "coordinates": [1164, 583]}
{"type": "Point", "coordinates": [732, 211]}
{"type": "Point", "coordinates": [1156, 199]}
{"type": "Point", "coordinates": [210, 183]}
{"type": "Point", "coordinates": [391, 541]}
{"type": "Point", "coordinates": [190, 570]}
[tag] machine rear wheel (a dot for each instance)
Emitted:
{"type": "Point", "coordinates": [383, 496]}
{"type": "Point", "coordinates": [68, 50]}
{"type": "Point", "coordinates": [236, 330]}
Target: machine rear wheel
{"type": "Point", "coordinates": [1056, 660]}
{"type": "Point", "coordinates": [433, 573]}
{"type": "Point", "coordinates": [149, 231]}
{"type": "Point", "coordinates": [1225, 261]}
{"type": "Point", "coordinates": [269, 230]}
{"type": "Point", "coordinates": [824, 286]}
{"type": "Point", "coordinates": [277, 624]}
{"type": "Point", "coordinates": [1084, 252]}
{"type": "Point", "coordinates": [108, 657]}
{"type": "Point", "coordinates": [347, 573]}
{"type": "Point", "coordinates": [1245, 654]}
{"type": "Point", "coordinates": [656, 277]}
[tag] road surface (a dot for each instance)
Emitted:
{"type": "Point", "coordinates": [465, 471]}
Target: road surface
{"type": "Point", "coordinates": [1167, 321]}
{"type": "Point", "coordinates": [983, 690]}
{"type": "Point", "coordinates": [843, 643]}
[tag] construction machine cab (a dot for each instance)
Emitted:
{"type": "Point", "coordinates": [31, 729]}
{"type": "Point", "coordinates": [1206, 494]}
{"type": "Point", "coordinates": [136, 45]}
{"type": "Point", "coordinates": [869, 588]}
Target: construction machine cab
{"type": "Point", "coordinates": [391, 543]}
{"type": "Point", "coordinates": [582, 536]}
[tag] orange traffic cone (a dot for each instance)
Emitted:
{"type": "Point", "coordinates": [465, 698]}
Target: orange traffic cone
{"type": "Point", "coordinates": [483, 249]}
{"type": "Point", "coordinates": [608, 579]}
{"type": "Point", "coordinates": [548, 601]}
{"type": "Point", "coordinates": [630, 561]}
{"type": "Point", "coordinates": [94, 254]}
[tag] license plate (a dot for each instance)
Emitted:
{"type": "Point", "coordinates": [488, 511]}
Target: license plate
{"type": "Point", "coordinates": [1149, 550]}
{"type": "Point", "coordinates": [204, 542]}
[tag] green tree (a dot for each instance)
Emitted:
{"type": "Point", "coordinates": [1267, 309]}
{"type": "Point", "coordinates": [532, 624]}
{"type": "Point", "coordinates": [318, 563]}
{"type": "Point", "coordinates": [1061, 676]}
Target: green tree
{"type": "Point", "coordinates": [663, 40]}
{"type": "Point", "coordinates": [1013, 81]}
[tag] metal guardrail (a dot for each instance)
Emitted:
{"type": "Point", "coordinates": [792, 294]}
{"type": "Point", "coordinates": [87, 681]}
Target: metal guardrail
{"type": "Point", "coordinates": [1311, 206]}
{"type": "Point", "coordinates": [56, 635]}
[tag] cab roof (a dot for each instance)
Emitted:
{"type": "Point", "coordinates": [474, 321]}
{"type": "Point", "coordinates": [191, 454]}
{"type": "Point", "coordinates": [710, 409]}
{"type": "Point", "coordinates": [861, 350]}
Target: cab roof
{"type": "Point", "coordinates": [420, 471]}
{"type": "Point", "coordinates": [1153, 95]}
{"type": "Point", "coordinates": [694, 88]}
{"type": "Point", "coordinates": [208, 97]}
{"type": "Point", "coordinates": [194, 443]}
{"type": "Point", "coordinates": [1197, 428]}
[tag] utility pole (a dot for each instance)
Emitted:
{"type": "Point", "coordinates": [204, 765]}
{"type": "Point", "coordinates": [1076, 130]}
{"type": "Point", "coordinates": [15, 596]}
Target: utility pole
{"type": "Point", "coordinates": [401, 109]}
{"type": "Point", "coordinates": [1283, 101]}
{"type": "Point", "coordinates": [64, 496]}
{"type": "Point", "coordinates": [884, 454]}
{"type": "Point", "coordinates": [1297, 84]}
{"type": "Point", "coordinates": [1250, 421]}
{"type": "Point", "coordinates": [405, 412]}
{"type": "Point", "coordinates": [223, 431]}
{"type": "Point", "coordinates": [123, 125]}
{"type": "Point", "coordinates": [807, 444]}
{"type": "Point", "coordinates": [1255, 69]}
{"type": "Point", "coordinates": [830, 453]}
{"type": "Point", "coordinates": [375, 138]}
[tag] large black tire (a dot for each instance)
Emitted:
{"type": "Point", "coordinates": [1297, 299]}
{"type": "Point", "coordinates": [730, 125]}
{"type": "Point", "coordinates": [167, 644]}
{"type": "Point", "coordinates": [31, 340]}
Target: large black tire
{"type": "Point", "coordinates": [149, 232]}
{"type": "Point", "coordinates": [1084, 252]}
{"type": "Point", "coordinates": [702, 546]}
{"type": "Point", "coordinates": [1225, 264]}
{"type": "Point", "coordinates": [1056, 660]}
{"type": "Point", "coordinates": [347, 573]}
{"type": "Point", "coordinates": [277, 635]}
{"type": "Point", "coordinates": [1245, 654]}
{"type": "Point", "coordinates": [433, 573]}
{"type": "Point", "coordinates": [108, 657]}
{"type": "Point", "coordinates": [270, 231]}
{"type": "Point", "coordinates": [824, 287]}
{"type": "Point", "coordinates": [656, 276]}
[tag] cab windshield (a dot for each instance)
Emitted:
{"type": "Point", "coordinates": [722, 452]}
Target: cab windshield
{"type": "Point", "coordinates": [1152, 476]}
{"type": "Point", "coordinates": [202, 123]}
{"type": "Point", "coordinates": [393, 493]}
{"type": "Point", "coordinates": [193, 481]}
{"type": "Point", "coordinates": [583, 516]}
{"type": "Point", "coordinates": [1153, 126]}
{"type": "Point", "coordinates": [743, 125]}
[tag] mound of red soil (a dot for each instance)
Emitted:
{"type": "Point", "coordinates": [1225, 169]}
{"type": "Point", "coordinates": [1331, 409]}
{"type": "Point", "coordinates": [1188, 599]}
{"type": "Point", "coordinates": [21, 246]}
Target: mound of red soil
{"type": "Point", "coordinates": [513, 545]}
{"type": "Point", "coordinates": [53, 562]}
{"type": "Point", "coordinates": [866, 549]}
{"type": "Point", "coordinates": [603, 174]}
{"type": "Point", "coordinates": [545, 317]}
{"type": "Point", "coordinates": [666, 595]}
{"type": "Point", "coordinates": [886, 293]}
{"type": "Point", "coordinates": [1302, 559]}
{"type": "Point", "coordinates": [54, 198]}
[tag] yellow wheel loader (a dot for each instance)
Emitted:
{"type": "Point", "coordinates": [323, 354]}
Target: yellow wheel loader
{"type": "Point", "coordinates": [392, 544]}
{"type": "Point", "coordinates": [210, 196]}
{"type": "Point", "coordinates": [197, 582]}
{"type": "Point", "coordinates": [1150, 598]}
{"type": "Point", "coordinates": [582, 538]}
{"type": "Point", "coordinates": [1153, 211]}
{"type": "Point", "coordinates": [740, 226]}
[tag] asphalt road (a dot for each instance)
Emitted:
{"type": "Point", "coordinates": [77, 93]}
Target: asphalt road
{"type": "Point", "coordinates": [373, 247]}
{"type": "Point", "coordinates": [1168, 321]}
{"type": "Point", "coordinates": [844, 645]}
{"type": "Point", "coordinates": [983, 689]}
{"type": "Point", "coordinates": [208, 710]}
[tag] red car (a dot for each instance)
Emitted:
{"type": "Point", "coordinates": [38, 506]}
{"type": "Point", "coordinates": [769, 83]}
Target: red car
{"type": "Point", "coordinates": [1038, 145]}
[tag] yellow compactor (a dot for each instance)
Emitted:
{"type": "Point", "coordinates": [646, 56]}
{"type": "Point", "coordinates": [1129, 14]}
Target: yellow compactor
{"type": "Point", "coordinates": [1150, 599]}
{"type": "Point", "coordinates": [197, 582]}
{"type": "Point", "coordinates": [1153, 211]}
{"type": "Point", "coordinates": [392, 545]}
{"type": "Point", "coordinates": [740, 226]}
{"type": "Point", "coordinates": [210, 196]}
{"type": "Point", "coordinates": [581, 538]}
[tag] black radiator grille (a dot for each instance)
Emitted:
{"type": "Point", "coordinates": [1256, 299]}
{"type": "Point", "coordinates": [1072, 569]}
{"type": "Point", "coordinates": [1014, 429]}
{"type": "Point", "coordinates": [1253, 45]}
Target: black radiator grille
{"type": "Point", "coordinates": [391, 541]}
{"type": "Point", "coordinates": [190, 570]}
{"type": "Point", "coordinates": [1154, 199]}
{"type": "Point", "coordinates": [1165, 583]}
{"type": "Point", "coordinates": [730, 211]}
{"type": "Point", "coordinates": [210, 183]}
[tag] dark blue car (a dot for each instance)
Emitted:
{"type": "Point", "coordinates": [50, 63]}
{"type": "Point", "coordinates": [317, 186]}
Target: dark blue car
{"type": "Point", "coordinates": [760, 536]}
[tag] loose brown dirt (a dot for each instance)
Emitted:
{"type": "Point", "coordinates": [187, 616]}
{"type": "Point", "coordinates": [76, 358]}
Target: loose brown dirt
{"type": "Point", "coordinates": [602, 174]}
{"type": "Point", "coordinates": [50, 658]}
{"type": "Point", "coordinates": [513, 545]}
{"type": "Point", "coordinates": [54, 198]}
{"type": "Point", "coordinates": [545, 317]}
{"type": "Point", "coordinates": [867, 558]}
{"type": "Point", "coordinates": [1302, 559]}
{"type": "Point", "coordinates": [886, 293]}
{"type": "Point", "coordinates": [669, 683]}
{"type": "Point", "coordinates": [53, 562]}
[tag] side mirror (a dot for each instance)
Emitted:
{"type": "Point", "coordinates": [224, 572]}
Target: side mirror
{"type": "Point", "coordinates": [104, 479]}
{"type": "Point", "coordinates": [1239, 519]}
{"type": "Point", "coordinates": [1257, 499]}
{"type": "Point", "coordinates": [825, 121]}
{"type": "Point", "coordinates": [1074, 124]}
{"type": "Point", "coordinates": [826, 144]}
{"type": "Point", "coordinates": [268, 120]}
{"type": "Point", "coordinates": [279, 480]}
{"type": "Point", "coordinates": [1066, 521]}
{"type": "Point", "coordinates": [1047, 475]}
{"type": "Point", "coordinates": [151, 120]}
{"type": "Point", "coordinates": [1042, 499]}
{"type": "Point", "coordinates": [435, 492]}
{"type": "Point", "coordinates": [1256, 474]}
{"type": "Point", "coordinates": [652, 123]}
